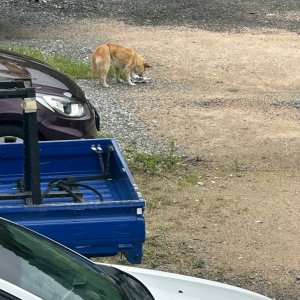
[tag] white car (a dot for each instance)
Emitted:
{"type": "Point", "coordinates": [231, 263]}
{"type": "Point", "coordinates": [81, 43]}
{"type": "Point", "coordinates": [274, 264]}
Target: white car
{"type": "Point", "coordinates": [35, 267]}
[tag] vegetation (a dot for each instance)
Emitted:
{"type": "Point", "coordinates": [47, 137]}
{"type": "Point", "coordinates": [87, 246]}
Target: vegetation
{"type": "Point", "coordinates": [68, 65]}
{"type": "Point", "coordinates": [153, 163]}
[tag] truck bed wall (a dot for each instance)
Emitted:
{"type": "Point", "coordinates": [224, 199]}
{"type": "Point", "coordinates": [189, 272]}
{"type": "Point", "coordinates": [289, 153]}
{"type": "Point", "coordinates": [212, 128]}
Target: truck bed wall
{"type": "Point", "coordinates": [93, 227]}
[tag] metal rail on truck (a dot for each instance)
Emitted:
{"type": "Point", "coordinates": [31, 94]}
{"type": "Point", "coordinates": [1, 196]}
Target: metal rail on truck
{"type": "Point", "coordinates": [31, 188]}
{"type": "Point", "coordinates": [30, 185]}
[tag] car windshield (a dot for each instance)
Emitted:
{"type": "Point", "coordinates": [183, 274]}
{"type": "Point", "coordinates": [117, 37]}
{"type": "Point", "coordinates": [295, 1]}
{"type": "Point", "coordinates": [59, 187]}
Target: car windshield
{"type": "Point", "coordinates": [48, 270]}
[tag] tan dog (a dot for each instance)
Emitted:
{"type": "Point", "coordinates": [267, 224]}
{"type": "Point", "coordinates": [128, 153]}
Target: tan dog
{"type": "Point", "coordinates": [120, 58]}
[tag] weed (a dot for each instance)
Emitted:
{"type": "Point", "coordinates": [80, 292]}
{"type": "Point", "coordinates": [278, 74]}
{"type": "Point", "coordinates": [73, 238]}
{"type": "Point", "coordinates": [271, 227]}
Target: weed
{"type": "Point", "coordinates": [198, 263]}
{"type": "Point", "coordinates": [158, 202]}
{"type": "Point", "coordinates": [152, 163]}
{"type": "Point", "coordinates": [191, 179]}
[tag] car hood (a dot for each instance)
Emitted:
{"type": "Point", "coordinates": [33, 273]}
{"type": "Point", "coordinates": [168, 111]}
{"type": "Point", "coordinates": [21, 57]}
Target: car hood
{"type": "Point", "coordinates": [169, 286]}
{"type": "Point", "coordinates": [44, 78]}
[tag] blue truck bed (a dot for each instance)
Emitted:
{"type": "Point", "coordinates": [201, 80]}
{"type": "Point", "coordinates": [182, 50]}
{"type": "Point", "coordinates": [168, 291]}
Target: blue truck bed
{"type": "Point", "coordinates": [90, 202]}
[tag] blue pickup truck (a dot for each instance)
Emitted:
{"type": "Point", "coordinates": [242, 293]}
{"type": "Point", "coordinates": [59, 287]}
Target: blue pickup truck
{"type": "Point", "coordinates": [88, 198]}
{"type": "Point", "coordinates": [77, 192]}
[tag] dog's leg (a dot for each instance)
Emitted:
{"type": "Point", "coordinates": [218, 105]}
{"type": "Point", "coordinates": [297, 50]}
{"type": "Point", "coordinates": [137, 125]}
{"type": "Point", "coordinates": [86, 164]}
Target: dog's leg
{"type": "Point", "coordinates": [117, 73]}
{"type": "Point", "coordinates": [103, 70]}
{"type": "Point", "coordinates": [101, 63]}
{"type": "Point", "coordinates": [128, 75]}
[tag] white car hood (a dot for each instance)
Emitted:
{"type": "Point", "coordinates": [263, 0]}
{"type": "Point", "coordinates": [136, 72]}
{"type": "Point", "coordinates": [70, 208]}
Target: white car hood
{"type": "Point", "coordinates": [169, 286]}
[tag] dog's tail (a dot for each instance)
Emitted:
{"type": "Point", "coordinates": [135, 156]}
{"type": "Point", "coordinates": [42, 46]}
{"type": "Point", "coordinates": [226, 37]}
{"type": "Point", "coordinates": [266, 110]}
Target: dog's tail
{"type": "Point", "coordinates": [97, 58]}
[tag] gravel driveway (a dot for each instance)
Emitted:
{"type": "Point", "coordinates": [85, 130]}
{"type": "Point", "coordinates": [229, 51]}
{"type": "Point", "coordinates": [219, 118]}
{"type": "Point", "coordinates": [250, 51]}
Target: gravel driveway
{"type": "Point", "coordinates": [216, 15]}
{"type": "Point", "coordinates": [118, 117]}
{"type": "Point", "coordinates": [118, 120]}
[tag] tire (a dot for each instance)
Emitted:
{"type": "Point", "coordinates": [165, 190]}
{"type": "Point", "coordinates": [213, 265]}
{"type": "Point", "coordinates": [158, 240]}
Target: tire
{"type": "Point", "coordinates": [11, 134]}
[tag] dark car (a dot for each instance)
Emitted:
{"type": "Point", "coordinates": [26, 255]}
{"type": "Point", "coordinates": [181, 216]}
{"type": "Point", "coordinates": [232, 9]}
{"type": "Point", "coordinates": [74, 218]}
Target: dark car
{"type": "Point", "coordinates": [63, 110]}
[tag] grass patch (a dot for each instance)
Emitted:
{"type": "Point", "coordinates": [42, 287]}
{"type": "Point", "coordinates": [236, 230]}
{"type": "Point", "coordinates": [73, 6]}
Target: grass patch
{"type": "Point", "coordinates": [159, 202]}
{"type": "Point", "coordinates": [152, 163]}
{"type": "Point", "coordinates": [198, 263]}
{"type": "Point", "coordinates": [66, 64]}
{"type": "Point", "coordinates": [191, 179]}
{"type": "Point", "coordinates": [69, 66]}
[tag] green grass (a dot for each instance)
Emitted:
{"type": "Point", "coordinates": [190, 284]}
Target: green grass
{"type": "Point", "coordinates": [152, 163]}
{"type": "Point", "coordinates": [190, 178]}
{"type": "Point", "coordinates": [68, 65]}
{"type": "Point", "coordinates": [159, 202]}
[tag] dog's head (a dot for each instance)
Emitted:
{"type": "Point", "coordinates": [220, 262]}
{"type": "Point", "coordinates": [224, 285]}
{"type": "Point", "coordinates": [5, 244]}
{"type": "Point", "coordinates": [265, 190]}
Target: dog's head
{"type": "Point", "coordinates": [141, 65]}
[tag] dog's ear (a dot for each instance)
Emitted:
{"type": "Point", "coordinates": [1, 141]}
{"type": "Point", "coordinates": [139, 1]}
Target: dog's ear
{"type": "Point", "coordinates": [146, 65]}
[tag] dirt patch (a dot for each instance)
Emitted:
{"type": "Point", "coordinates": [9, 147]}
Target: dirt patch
{"type": "Point", "coordinates": [230, 102]}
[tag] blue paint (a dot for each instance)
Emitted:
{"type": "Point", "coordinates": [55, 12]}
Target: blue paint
{"type": "Point", "coordinates": [92, 227]}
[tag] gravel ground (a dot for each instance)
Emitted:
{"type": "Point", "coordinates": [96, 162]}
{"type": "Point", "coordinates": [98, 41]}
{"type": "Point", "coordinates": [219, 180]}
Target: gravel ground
{"type": "Point", "coordinates": [118, 116]}
{"type": "Point", "coordinates": [216, 15]}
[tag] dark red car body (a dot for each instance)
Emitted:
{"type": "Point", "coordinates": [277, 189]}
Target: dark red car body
{"type": "Point", "coordinates": [52, 125]}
